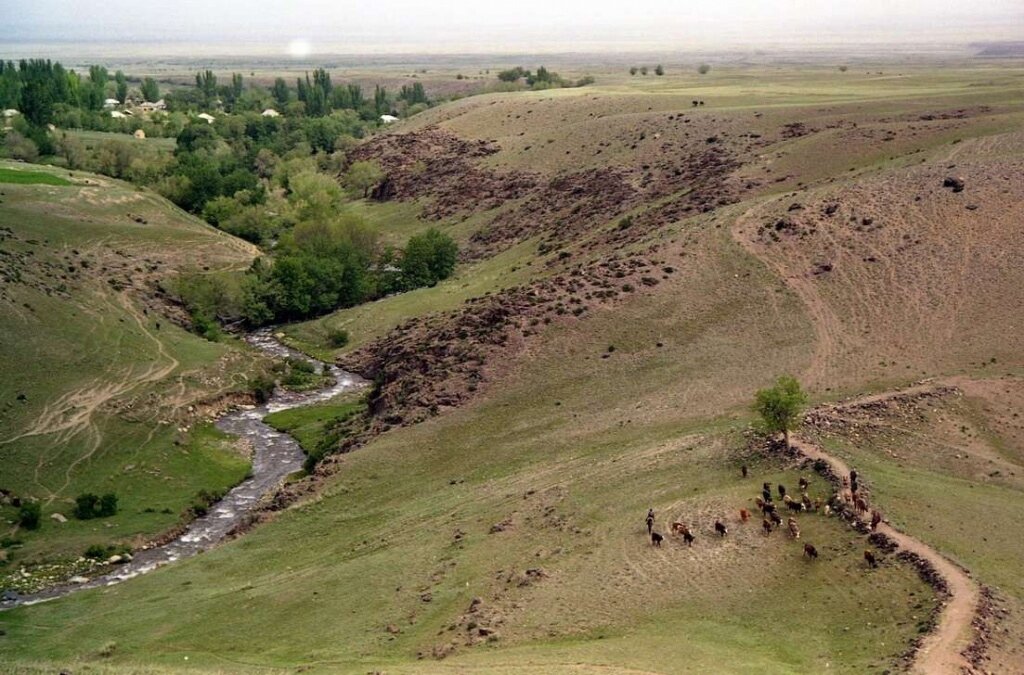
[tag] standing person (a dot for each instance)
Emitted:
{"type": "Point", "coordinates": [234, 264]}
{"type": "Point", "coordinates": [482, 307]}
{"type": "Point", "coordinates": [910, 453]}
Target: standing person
{"type": "Point", "coordinates": [743, 470]}
{"type": "Point", "coordinates": [650, 520]}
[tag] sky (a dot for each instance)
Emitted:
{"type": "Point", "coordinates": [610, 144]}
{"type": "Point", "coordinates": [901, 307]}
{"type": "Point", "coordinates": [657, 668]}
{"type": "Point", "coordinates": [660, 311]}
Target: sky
{"type": "Point", "coordinates": [340, 26]}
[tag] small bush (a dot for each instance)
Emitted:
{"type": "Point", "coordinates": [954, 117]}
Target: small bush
{"type": "Point", "coordinates": [30, 515]}
{"type": "Point", "coordinates": [337, 337]}
{"type": "Point", "coordinates": [108, 649]}
{"type": "Point", "coordinates": [262, 388]}
{"type": "Point", "coordinates": [96, 552]}
{"type": "Point", "coordinates": [85, 506]}
{"type": "Point", "coordinates": [107, 505]}
{"type": "Point", "coordinates": [88, 506]}
{"type": "Point", "coordinates": [704, 68]}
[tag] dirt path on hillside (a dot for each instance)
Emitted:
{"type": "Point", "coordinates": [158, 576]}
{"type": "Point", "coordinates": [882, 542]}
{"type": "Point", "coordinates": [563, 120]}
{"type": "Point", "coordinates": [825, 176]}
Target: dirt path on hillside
{"type": "Point", "coordinates": [941, 651]}
{"type": "Point", "coordinates": [827, 326]}
{"type": "Point", "coordinates": [72, 413]}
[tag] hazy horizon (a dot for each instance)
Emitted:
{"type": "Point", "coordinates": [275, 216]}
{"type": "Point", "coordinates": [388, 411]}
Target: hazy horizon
{"type": "Point", "coordinates": [309, 27]}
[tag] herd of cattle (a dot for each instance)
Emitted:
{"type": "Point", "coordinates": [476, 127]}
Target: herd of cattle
{"type": "Point", "coordinates": [850, 494]}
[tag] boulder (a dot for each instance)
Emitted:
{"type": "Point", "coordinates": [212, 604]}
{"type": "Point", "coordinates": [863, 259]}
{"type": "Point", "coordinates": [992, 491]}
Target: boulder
{"type": "Point", "coordinates": [59, 517]}
{"type": "Point", "coordinates": [954, 182]}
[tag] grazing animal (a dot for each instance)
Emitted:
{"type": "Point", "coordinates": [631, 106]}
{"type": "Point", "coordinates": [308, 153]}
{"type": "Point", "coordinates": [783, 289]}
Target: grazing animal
{"type": "Point", "coordinates": [769, 507]}
{"type": "Point", "coordinates": [806, 501]}
{"type": "Point", "coordinates": [743, 470]}
{"type": "Point", "coordinates": [817, 503]}
{"type": "Point", "coordinates": [744, 515]}
{"type": "Point", "coordinates": [827, 510]}
{"type": "Point", "coordinates": [688, 537]}
{"type": "Point", "coordinates": [803, 484]}
{"type": "Point", "coordinates": [794, 529]}
{"type": "Point", "coordinates": [810, 552]}
{"type": "Point", "coordinates": [793, 504]}
{"type": "Point", "coordinates": [861, 505]}
{"type": "Point", "coordinates": [766, 495]}
{"type": "Point", "coordinates": [876, 518]}
{"type": "Point", "coordinates": [766, 526]}
{"type": "Point", "coordinates": [782, 490]}
{"type": "Point", "coordinates": [721, 529]}
{"type": "Point", "coordinates": [760, 503]}
{"type": "Point", "coordinates": [656, 538]}
{"type": "Point", "coordinates": [869, 558]}
{"type": "Point", "coordinates": [776, 519]}
{"type": "Point", "coordinates": [678, 527]}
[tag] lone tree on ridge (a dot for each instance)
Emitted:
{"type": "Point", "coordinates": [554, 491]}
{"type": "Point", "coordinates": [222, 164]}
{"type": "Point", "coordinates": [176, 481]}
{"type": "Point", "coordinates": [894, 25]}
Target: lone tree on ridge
{"type": "Point", "coordinates": [780, 406]}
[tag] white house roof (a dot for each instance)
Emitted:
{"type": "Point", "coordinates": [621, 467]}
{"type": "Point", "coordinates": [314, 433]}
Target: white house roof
{"type": "Point", "coordinates": [116, 113]}
{"type": "Point", "coordinates": [270, 112]}
{"type": "Point", "coordinates": [388, 119]}
{"type": "Point", "coordinates": [111, 102]}
{"type": "Point", "coordinates": [206, 116]}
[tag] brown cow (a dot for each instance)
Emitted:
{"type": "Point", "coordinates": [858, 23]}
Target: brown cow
{"type": "Point", "coordinates": [678, 527]}
{"type": "Point", "coordinates": [766, 526]}
{"type": "Point", "coordinates": [721, 529]}
{"type": "Point", "coordinates": [861, 505]}
{"type": "Point", "coordinates": [776, 519]}
{"type": "Point", "coordinates": [794, 529]}
{"type": "Point", "coordinates": [803, 484]}
{"type": "Point", "coordinates": [869, 558]}
{"type": "Point", "coordinates": [744, 515]}
{"type": "Point", "coordinates": [810, 552]}
{"type": "Point", "coordinates": [743, 470]}
{"type": "Point", "coordinates": [876, 518]}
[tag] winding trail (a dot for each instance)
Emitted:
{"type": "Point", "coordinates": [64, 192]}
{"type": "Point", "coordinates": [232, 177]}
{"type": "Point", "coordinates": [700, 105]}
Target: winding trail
{"type": "Point", "coordinates": [275, 456]}
{"type": "Point", "coordinates": [941, 650]}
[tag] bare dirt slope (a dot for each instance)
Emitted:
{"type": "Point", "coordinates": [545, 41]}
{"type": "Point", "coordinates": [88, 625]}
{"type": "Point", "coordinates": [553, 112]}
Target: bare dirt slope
{"type": "Point", "coordinates": [902, 276]}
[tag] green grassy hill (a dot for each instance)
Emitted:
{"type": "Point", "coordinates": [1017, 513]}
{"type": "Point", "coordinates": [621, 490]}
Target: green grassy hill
{"type": "Point", "coordinates": [94, 381]}
{"type": "Point", "coordinates": [506, 534]}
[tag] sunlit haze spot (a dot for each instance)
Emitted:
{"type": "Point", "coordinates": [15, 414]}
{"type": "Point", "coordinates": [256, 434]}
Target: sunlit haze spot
{"type": "Point", "coordinates": [299, 48]}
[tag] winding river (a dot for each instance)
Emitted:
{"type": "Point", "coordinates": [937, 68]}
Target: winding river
{"type": "Point", "coordinates": [275, 455]}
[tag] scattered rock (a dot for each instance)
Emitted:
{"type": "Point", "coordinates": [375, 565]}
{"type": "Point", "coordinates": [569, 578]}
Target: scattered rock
{"type": "Point", "coordinates": [954, 182]}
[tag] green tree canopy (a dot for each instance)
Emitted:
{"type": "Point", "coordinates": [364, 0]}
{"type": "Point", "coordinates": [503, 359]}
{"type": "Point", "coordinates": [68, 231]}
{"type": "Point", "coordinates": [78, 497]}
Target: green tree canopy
{"type": "Point", "coordinates": [361, 176]}
{"type": "Point", "coordinates": [780, 406]}
{"type": "Point", "coordinates": [150, 90]}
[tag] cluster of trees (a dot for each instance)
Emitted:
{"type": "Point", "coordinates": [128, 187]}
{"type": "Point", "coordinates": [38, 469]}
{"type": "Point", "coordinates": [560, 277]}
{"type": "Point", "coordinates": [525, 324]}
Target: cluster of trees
{"type": "Point", "coordinates": [318, 266]}
{"type": "Point", "coordinates": [312, 96]}
{"type": "Point", "coordinates": [542, 79]}
{"type": "Point", "coordinates": [279, 182]}
{"type": "Point", "coordinates": [41, 89]}
{"type": "Point", "coordinates": [658, 70]}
